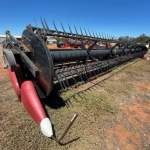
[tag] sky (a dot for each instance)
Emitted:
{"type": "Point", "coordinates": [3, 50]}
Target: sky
{"type": "Point", "coordinates": [113, 17]}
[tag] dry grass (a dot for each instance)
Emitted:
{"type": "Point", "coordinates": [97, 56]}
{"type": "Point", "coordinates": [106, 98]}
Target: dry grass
{"type": "Point", "coordinates": [98, 108]}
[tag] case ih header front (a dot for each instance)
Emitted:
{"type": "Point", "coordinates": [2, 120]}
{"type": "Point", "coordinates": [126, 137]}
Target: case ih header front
{"type": "Point", "coordinates": [36, 69]}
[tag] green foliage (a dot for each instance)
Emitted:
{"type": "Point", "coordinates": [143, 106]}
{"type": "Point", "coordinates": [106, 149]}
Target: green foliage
{"type": "Point", "coordinates": [143, 38]}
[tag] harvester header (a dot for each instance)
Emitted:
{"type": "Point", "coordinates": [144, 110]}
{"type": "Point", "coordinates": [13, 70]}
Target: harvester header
{"type": "Point", "coordinates": [47, 59]}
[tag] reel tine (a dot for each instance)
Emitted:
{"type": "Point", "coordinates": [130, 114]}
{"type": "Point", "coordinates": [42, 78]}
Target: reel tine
{"type": "Point", "coordinates": [76, 30]}
{"type": "Point", "coordinates": [85, 32]}
{"type": "Point", "coordinates": [93, 34]}
{"type": "Point", "coordinates": [108, 36]}
{"type": "Point", "coordinates": [62, 27]}
{"type": "Point", "coordinates": [100, 35]}
{"type": "Point", "coordinates": [46, 24]}
{"type": "Point", "coordinates": [81, 31]}
{"type": "Point", "coordinates": [42, 24]}
{"type": "Point", "coordinates": [97, 35]}
{"type": "Point", "coordinates": [104, 36]}
{"type": "Point", "coordinates": [111, 37]}
{"type": "Point", "coordinates": [70, 29]}
{"type": "Point", "coordinates": [45, 30]}
{"type": "Point", "coordinates": [89, 33]}
{"type": "Point", "coordinates": [55, 27]}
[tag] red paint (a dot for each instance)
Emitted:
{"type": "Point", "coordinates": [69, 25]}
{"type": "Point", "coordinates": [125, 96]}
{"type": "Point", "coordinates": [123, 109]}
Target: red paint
{"type": "Point", "coordinates": [31, 101]}
{"type": "Point", "coordinates": [14, 81]}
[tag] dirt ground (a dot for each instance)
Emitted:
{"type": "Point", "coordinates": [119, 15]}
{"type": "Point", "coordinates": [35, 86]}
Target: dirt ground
{"type": "Point", "coordinates": [114, 114]}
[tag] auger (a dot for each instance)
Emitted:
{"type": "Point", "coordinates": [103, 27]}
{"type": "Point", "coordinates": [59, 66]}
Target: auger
{"type": "Point", "coordinates": [36, 70]}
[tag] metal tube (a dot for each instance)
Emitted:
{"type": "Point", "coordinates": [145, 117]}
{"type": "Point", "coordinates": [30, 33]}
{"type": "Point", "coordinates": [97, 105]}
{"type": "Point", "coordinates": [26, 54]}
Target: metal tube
{"type": "Point", "coordinates": [77, 55]}
{"type": "Point", "coordinates": [64, 56]}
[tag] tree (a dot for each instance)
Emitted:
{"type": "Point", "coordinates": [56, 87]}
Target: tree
{"type": "Point", "coordinates": [143, 38]}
